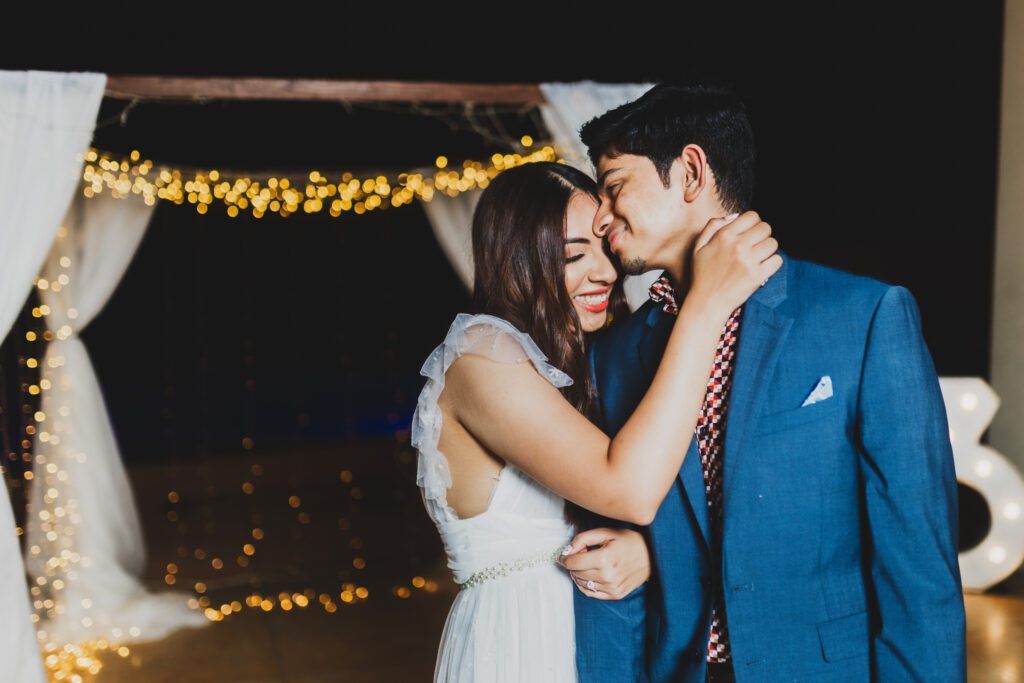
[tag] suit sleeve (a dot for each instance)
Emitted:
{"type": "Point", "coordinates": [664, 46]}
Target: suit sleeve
{"type": "Point", "coordinates": [610, 634]}
{"type": "Point", "coordinates": [910, 496]}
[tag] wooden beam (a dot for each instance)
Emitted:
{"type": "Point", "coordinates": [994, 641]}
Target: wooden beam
{"type": "Point", "coordinates": [200, 88]}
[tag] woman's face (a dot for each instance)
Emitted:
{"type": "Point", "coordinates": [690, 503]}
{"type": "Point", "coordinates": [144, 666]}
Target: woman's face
{"type": "Point", "coordinates": [589, 273]}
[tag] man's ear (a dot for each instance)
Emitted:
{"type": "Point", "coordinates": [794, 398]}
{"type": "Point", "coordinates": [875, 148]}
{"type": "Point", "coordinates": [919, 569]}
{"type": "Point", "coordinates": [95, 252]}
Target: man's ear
{"type": "Point", "coordinates": [695, 172]}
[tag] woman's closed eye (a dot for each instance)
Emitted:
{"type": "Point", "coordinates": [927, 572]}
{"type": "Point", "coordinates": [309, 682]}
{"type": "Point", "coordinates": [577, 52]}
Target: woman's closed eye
{"type": "Point", "coordinates": [574, 257]}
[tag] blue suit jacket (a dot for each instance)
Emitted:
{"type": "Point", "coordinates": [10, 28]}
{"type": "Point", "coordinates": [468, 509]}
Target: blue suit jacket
{"type": "Point", "coordinates": [840, 518]}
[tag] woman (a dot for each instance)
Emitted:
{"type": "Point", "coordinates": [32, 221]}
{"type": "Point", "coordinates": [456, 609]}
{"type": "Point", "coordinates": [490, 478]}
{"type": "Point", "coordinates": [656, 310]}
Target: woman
{"type": "Point", "coordinates": [502, 424]}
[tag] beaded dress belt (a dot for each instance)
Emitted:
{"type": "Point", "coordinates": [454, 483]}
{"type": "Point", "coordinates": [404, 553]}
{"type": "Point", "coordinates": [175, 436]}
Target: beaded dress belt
{"type": "Point", "coordinates": [506, 568]}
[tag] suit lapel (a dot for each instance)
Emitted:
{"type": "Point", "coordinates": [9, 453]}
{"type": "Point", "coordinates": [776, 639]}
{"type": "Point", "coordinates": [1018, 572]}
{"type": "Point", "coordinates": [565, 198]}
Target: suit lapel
{"type": "Point", "coordinates": [691, 475]}
{"type": "Point", "coordinates": [762, 333]}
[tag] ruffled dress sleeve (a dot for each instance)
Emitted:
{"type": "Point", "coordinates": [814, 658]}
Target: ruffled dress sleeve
{"type": "Point", "coordinates": [482, 334]}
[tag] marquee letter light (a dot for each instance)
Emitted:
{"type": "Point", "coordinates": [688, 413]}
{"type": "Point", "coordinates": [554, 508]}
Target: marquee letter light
{"type": "Point", "coordinates": [970, 406]}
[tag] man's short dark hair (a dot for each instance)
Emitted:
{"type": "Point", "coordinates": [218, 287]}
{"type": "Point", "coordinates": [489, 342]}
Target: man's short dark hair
{"type": "Point", "coordinates": [669, 116]}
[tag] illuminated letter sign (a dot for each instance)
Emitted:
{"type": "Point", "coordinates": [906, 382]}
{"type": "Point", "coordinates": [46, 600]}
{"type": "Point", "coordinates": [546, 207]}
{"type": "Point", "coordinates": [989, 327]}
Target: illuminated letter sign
{"type": "Point", "coordinates": [970, 406]}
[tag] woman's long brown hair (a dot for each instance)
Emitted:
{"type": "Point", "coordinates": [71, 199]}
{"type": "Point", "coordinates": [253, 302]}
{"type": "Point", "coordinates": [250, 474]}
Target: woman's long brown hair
{"type": "Point", "coordinates": [519, 266]}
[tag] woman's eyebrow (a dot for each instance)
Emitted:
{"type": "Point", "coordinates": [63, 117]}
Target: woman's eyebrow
{"type": "Point", "coordinates": [578, 240]}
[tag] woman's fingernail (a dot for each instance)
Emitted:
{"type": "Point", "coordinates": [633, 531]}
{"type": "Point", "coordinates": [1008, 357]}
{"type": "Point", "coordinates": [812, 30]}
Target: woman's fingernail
{"type": "Point", "coordinates": [567, 549]}
{"type": "Point", "coordinates": [732, 216]}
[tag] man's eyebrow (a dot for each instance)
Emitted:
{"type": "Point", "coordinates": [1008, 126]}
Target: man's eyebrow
{"type": "Point", "coordinates": [604, 176]}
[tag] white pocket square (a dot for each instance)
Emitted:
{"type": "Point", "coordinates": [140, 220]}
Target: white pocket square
{"type": "Point", "coordinates": [821, 391]}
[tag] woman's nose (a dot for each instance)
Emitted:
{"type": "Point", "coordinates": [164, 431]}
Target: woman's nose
{"type": "Point", "coordinates": [604, 272]}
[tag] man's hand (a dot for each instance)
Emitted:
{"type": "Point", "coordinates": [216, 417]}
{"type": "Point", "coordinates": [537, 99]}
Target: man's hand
{"type": "Point", "coordinates": [617, 567]}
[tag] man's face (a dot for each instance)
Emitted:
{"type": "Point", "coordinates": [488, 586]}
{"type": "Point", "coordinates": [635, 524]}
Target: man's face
{"type": "Point", "coordinates": [640, 217]}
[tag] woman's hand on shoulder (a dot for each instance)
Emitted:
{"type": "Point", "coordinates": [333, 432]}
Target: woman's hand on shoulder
{"type": "Point", "coordinates": [619, 565]}
{"type": "Point", "coordinates": [731, 259]}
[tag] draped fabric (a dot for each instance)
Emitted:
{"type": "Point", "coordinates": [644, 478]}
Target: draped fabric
{"type": "Point", "coordinates": [568, 106]}
{"type": "Point", "coordinates": [451, 219]}
{"type": "Point", "coordinates": [46, 124]}
{"type": "Point", "coordinates": [78, 468]}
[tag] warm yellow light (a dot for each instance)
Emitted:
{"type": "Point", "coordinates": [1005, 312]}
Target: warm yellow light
{"type": "Point", "coordinates": [130, 175]}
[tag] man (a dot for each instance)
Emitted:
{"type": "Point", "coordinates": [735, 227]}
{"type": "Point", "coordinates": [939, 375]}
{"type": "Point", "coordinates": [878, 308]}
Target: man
{"type": "Point", "coordinates": [813, 531]}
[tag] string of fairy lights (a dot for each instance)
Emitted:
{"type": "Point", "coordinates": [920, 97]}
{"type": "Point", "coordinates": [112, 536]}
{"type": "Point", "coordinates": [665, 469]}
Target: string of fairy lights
{"type": "Point", "coordinates": [316, 193]}
{"type": "Point", "coordinates": [58, 517]}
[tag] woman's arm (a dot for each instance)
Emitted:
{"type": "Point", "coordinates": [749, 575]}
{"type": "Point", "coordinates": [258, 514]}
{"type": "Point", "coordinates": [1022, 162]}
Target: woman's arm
{"type": "Point", "coordinates": [519, 416]}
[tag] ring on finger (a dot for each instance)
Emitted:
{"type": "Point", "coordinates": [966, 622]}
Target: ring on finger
{"type": "Point", "coordinates": [591, 585]}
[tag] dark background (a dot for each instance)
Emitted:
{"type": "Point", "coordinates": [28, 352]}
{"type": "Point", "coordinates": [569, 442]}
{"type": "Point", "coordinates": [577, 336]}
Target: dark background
{"type": "Point", "coordinates": [876, 127]}
{"type": "Point", "coordinates": [877, 137]}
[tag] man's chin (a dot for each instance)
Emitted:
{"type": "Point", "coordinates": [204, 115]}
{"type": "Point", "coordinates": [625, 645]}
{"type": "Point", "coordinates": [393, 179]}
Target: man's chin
{"type": "Point", "coordinates": [634, 265]}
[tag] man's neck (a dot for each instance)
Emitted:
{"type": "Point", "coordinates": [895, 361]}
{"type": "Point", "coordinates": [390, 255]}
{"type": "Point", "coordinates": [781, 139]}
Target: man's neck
{"type": "Point", "coordinates": [681, 271]}
{"type": "Point", "coordinates": [679, 277]}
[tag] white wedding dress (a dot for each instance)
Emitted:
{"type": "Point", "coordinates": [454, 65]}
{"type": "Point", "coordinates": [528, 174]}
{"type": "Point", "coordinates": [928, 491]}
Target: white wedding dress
{"type": "Point", "coordinates": [512, 620]}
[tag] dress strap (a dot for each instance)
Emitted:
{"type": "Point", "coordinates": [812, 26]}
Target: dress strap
{"type": "Point", "coordinates": [482, 334]}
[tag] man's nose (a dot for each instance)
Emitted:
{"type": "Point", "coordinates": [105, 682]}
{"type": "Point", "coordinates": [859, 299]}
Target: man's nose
{"type": "Point", "coordinates": [602, 220]}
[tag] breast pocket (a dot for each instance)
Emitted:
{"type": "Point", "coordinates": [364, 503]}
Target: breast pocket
{"type": "Point", "coordinates": [771, 423]}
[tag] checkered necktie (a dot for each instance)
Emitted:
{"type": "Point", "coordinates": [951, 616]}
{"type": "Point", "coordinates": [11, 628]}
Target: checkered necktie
{"type": "Point", "coordinates": [710, 433]}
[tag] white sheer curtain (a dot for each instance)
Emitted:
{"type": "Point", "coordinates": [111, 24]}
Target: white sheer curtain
{"type": "Point", "coordinates": [78, 465]}
{"type": "Point", "coordinates": [46, 124]}
{"type": "Point", "coordinates": [451, 219]}
{"type": "Point", "coordinates": [568, 107]}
